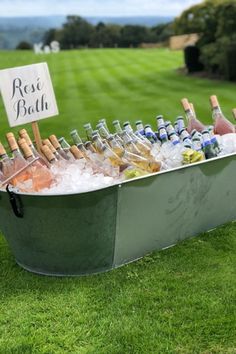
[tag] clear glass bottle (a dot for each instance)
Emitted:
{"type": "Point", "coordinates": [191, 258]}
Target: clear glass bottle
{"type": "Point", "coordinates": [104, 122]}
{"type": "Point", "coordinates": [140, 127]}
{"type": "Point", "coordinates": [208, 147]}
{"type": "Point", "coordinates": [66, 147]}
{"type": "Point", "coordinates": [140, 144]}
{"type": "Point", "coordinates": [162, 133]}
{"type": "Point", "coordinates": [75, 137]}
{"type": "Point", "coordinates": [58, 147]}
{"type": "Point", "coordinates": [117, 126]}
{"type": "Point", "coordinates": [180, 123]}
{"type": "Point", "coordinates": [149, 133]}
{"type": "Point", "coordinates": [89, 146]}
{"type": "Point", "coordinates": [104, 133]}
{"type": "Point", "coordinates": [221, 124]}
{"type": "Point", "coordinates": [129, 144]}
{"type": "Point", "coordinates": [89, 130]}
{"type": "Point", "coordinates": [193, 122]}
{"type": "Point", "coordinates": [116, 147]}
{"type": "Point", "coordinates": [160, 121]}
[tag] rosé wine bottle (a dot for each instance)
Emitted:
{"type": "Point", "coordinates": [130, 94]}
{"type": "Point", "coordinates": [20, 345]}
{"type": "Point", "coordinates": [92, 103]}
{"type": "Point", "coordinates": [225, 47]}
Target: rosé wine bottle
{"type": "Point", "coordinates": [193, 122]}
{"type": "Point", "coordinates": [222, 125]}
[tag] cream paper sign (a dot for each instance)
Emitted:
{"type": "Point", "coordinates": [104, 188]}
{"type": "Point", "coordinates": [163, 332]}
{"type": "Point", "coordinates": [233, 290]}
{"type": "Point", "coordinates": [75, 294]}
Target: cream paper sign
{"type": "Point", "coordinates": [27, 94]}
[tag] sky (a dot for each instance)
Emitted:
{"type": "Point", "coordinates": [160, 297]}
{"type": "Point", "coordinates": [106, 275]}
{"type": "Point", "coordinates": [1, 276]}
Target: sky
{"type": "Point", "coordinates": [94, 7]}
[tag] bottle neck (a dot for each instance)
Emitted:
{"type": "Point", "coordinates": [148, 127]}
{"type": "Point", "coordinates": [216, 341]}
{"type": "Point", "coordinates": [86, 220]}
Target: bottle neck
{"type": "Point", "coordinates": [118, 128]}
{"type": "Point", "coordinates": [189, 114]}
{"type": "Point", "coordinates": [216, 112]}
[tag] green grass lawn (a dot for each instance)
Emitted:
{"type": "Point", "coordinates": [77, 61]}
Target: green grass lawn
{"type": "Point", "coordinates": [181, 300]}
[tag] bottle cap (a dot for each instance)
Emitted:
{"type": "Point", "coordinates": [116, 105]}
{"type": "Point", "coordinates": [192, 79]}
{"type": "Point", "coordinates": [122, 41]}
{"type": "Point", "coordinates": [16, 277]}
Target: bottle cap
{"type": "Point", "coordinates": [26, 137]}
{"type": "Point", "coordinates": [179, 118]}
{"type": "Point", "coordinates": [74, 132]}
{"type": "Point", "coordinates": [214, 101]}
{"type": "Point", "coordinates": [54, 142]}
{"type": "Point", "coordinates": [126, 123]}
{"type": "Point", "coordinates": [115, 122]}
{"type": "Point", "coordinates": [138, 122]}
{"type": "Point", "coordinates": [99, 125]}
{"type": "Point", "coordinates": [87, 126]}
{"type": "Point", "coordinates": [27, 152]}
{"type": "Point", "coordinates": [12, 141]}
{"type": "Point", "coordinates": [76, 152]}
{"type": "Point", "coordinates": [47, 153]}
{"type": "Point", "coordinates": [159, 117]}
{"type": "Point", "coordinates": [147, 126]}
{"type": "Point", "coordinates": [49, 144]}
{"type": "Point", "coordinates": [22, 131]}
{"type": "Point", "coordinates": [185, 104]}
{"type": "Point", "coordinates": [2, 150]}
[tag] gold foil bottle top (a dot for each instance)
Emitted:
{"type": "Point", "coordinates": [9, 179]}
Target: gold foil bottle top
{"type": "Point", "coordinates": [47, 153]}
{"type": "Point", "coordinates": [27, 152]}
{"type": "Point", "coordinates": [214, 102]}
{"type": "Point", "coordinates": [185, 104]}
{"type": "Point", "coordinates": [76, 152]}
{"type": "Point", "coordinates": [23, 134]}
{"type": "Point", "coordinates": [12, 141]}
{"type": "Point", "coordinates": [54, 141]}
{"type": "Point", "coordinates": [49, 144]}
{"type": "Point", "coordinates": [234, 113]}
{"type": "Point", "coordinates": [21, 141]}
{"type": "Point", "coordinates": [22, 131]}
{"type": "Point", "coordinates": [2, 150]}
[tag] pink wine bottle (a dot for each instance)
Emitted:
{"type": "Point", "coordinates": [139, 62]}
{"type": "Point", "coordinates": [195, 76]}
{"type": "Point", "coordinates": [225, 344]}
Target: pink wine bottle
{"type": "Point", "coordinates": [193, 122]}
{"type": "Point", "coordinates": [221, 124]}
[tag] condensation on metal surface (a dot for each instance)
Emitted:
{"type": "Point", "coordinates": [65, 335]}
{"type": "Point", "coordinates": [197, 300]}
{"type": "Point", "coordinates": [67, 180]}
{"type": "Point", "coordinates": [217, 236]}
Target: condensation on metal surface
{"type": "Point", "coordinates": [87, 233]}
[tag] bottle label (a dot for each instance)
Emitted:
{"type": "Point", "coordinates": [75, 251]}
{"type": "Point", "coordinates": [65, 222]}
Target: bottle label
{"type": "Point", "coordinates": [129, 129]}
{"type": "Point", "coordinates": [170, 129]}
{"type": "Point", "coordinates": [197, 145]}
{"type": "Point", "coordinates": [160, 122]}
{"type": "Point", "coordinates": [163, 134]}
{"type": "Point", "coordinates": [174, 139]}
{"type": "Point", "coordinates": [187, 142]}
{"type": "Point", "coordinates": [139, 126]}
{"type": "Point", "coordinates": [180, 124]}
{"type": "Point", "coordinates": [184, 134]}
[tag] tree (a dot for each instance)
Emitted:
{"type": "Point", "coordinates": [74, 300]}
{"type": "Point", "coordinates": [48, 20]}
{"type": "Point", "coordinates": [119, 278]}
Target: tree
{"type": "Point", "coordinates": [23, 45]}
{"type": "Point", "coordinates": [133, 35]}
{"type": "Point", "coordinates": [76, 32]}
{"type": "Point", "coordinates": [214, 20]}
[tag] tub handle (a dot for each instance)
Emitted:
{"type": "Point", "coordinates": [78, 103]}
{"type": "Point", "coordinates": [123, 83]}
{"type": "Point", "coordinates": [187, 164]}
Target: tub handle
{"type": "Point", "coordinates": [16, 203]}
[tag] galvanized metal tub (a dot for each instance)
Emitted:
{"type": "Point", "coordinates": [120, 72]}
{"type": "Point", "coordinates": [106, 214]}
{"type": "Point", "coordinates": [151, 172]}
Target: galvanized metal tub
{"type": "Point", "coordinates": [92, 232]}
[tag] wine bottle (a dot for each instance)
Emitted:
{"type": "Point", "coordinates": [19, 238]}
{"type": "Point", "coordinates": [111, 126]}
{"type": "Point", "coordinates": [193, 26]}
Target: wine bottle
{"type": "Point", "coordinates": [58, 147]}
{"type": "Point", "coordinates": [193, 122]}
{"type": "Point", "coordinates": [7, 166]}
{"type": "Point", "coordinates": [221, 124]}
{"type": "Point", "coordinates": [40, 175]}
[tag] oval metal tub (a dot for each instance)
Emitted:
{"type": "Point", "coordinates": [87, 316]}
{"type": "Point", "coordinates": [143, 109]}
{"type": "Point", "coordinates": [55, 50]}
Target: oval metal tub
{"type": "Point", "coordinates": [78, 234]}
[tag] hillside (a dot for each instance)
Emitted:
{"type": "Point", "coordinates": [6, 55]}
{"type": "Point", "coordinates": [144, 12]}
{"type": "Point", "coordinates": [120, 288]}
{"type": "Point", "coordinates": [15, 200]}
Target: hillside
{"type": "Point", "coordinates": [15, 29]}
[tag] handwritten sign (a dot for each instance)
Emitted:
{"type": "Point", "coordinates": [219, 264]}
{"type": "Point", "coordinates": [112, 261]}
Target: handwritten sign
{"type": "Point", "coordinates": [27, 94]}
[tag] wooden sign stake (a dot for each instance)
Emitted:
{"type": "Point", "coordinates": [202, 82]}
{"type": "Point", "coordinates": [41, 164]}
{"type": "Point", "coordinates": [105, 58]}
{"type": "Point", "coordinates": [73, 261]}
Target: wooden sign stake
{"type": "Point", "coordinates": [37, 136]}
{"type": "Point", "coordinates": [234, 113]}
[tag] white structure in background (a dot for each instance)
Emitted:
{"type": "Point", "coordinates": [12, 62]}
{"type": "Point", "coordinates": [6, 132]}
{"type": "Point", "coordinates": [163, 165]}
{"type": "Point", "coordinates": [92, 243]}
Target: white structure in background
{"type": "Point", "coordinates": [54, 47]}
